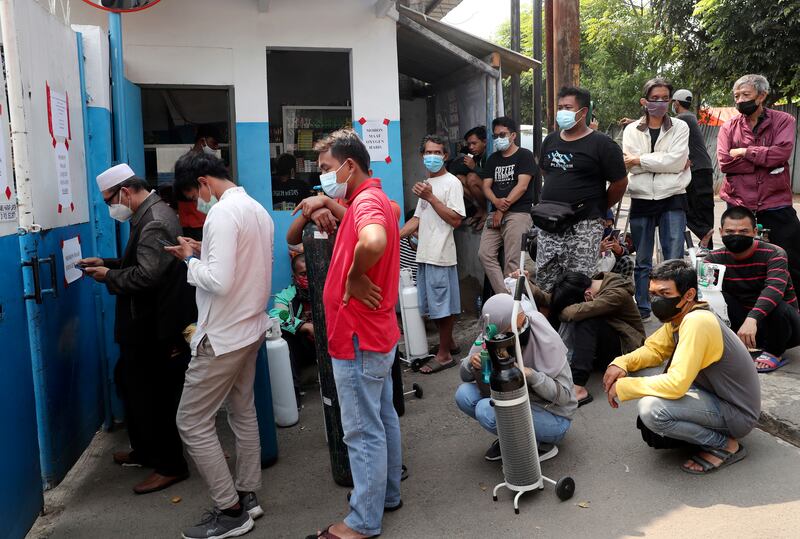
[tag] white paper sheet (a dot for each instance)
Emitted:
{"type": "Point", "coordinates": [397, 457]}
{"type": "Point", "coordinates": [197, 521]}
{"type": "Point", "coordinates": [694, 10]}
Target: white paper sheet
{"type": "Point", "coordinates": [8, 202]}
{"type": "Point", "coordinates": [376, 138]}
{"type": "Point", "coordinates": [64, 179]}
{"type": "Point", "coordinates": [59, 114]}
{"type": "Point", "coordinates": [71, 252]}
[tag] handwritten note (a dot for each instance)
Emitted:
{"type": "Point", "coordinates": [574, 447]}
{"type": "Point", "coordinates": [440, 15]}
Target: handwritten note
{"type": "Point", "coordinates": [63, 178]}
{"type": "Point", "coordinates": [59, 114]}
{"type": "Point", "coordinates": [71, 252]}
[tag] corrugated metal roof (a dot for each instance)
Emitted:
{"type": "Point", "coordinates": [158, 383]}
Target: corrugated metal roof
{"type": "Point", "coordinates": [422, 59]}
{"type": "Point", "coordinates": [439, 8]}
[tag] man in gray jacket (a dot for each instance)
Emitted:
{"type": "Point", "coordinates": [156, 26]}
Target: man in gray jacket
{"type": "Point", "coordinates": [154, 305]}
{"type": "Point", "coordinates": [549, 378]}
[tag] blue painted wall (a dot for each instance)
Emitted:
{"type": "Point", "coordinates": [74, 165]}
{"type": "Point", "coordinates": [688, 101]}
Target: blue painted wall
{"type": "Point", "coordinates": [252, 154]}
{"type": "Point", "coordinates": [20, 475]}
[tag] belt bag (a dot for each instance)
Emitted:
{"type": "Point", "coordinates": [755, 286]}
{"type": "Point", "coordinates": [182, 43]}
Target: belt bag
{"type": "Point", "coordinates": [556, 217]}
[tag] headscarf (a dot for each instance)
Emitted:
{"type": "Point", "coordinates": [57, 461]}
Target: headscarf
{"type": "Point", "coordinates": [545, 351]}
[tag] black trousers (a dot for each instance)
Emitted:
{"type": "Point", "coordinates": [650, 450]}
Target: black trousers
{"type": "Point", "coordinates": [149, 379]}
{"type": "Point", "coordinates": [595, 345]}
{"type": "Point", "coordinates": [777, 332]}
{"type": "Point", "coordinates": [301, 353]}
{"type": "Point", "coordinates": [784, 230]}
{"type": "Point", "coordinates": [700, 196]}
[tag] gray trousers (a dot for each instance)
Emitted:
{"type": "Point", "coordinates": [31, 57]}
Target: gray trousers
{"type": "Point", "coordinates": [508, 236]}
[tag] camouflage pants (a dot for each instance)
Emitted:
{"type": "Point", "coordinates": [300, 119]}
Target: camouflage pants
{"type": "Point", "coordinates": [577, 249]}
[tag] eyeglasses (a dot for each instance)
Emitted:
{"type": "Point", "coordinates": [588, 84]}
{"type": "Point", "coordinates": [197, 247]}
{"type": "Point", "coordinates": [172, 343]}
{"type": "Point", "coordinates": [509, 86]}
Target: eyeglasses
{"type": "Point", "coordinates": [110, 199]}
{"type": "Point", "coordinates": [500, 135]}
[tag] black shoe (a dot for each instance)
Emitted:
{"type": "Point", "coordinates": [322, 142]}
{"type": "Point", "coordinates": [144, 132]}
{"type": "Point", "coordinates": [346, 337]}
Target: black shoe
{"type": "Point", "coordinates": [493, 453]}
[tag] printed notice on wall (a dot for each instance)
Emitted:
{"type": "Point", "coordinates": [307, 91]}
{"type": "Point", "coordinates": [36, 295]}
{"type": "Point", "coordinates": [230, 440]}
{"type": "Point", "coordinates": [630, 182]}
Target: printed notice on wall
{"type": "Point", "coordinates": [63, 179]}
{"type": "Point", "coordinates": [376, 138]}
{"type": "Point", "coordinates": [8, 203]}
{"type": "Point", "coordinates": [71, 251]}
{"type": "Point", "coordinates": [59, 114]}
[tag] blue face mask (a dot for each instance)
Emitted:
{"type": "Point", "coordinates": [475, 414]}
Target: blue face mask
{"type": "Point", "coordinates": [566, 119]}
{"type": "Point", "coordinates": [331, 187]}
{"type": "Point", "coordinates": [203, 206]}
{"type": "Point", "coordinates": [433, 162]}
{"type": "Point", "coordinates": [502, 144]}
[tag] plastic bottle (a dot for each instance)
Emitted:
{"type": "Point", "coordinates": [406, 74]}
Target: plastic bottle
{"type": "Point", "coordinates": [486, 362]}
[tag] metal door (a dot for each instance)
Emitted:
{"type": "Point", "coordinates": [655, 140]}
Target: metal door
{"type": "Point", "coordinates": [21, 486]}
{"type": "Point", "coordinates": [46, 109]}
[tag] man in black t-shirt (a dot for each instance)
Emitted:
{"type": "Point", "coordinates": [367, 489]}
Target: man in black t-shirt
{"type": "Point", "coordinates": [507, 186]}
{"type": "Point", "coordinates": [287, 191]}
{"type": "Point", "coordinates": [576, 163]}
{"type": "Point", "coordinates": [469, 169]}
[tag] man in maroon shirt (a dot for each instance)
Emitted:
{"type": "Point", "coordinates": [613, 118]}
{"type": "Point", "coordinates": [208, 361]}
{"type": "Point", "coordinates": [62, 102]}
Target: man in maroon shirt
{"type": "Point", "coordinates": [754, 148]}
{"type": "Point", "coordinates": [359, 297]}
{"type": "Point", "coordinates": [762, 305]}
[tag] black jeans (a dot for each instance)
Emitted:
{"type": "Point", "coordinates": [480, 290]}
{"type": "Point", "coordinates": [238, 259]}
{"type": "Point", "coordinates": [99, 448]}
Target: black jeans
{"type": "Point", "coordinates": [776, 332]}
{"type": "Point", "coordinates": [784, 230]}
{"type": "Point", "coordinates": [700, 196]}
{"type": "Point", "coordinates": [301, 353]}
{"type": "Point", "coordinates": [595, 345]}
{"type": "Point", "coordinates": [149, 378]}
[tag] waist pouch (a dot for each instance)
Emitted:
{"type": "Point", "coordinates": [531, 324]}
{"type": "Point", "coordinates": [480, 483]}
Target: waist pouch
{"type": "Point", "coordinates": [556, 217]}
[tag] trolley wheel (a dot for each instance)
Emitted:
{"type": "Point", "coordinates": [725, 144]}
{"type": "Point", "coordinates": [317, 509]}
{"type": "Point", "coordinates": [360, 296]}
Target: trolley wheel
{"type": "Point", "coordinates": [417, 391]}
{"type": "Point", "coordinates": [416, 364]}
{"type": "Point", "coordinates": [565, 488]}
{"type": "Point", "coordinates": [494, 498]}
{"type": "Point", "coordinates": [516, 511]}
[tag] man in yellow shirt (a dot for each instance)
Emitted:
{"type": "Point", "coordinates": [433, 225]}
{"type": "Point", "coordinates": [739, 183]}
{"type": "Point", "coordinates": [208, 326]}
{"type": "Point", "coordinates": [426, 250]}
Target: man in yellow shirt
{"type": "Point", "coordinates": [708, 394]}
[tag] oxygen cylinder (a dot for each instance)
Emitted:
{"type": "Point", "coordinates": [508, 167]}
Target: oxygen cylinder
{"type": "Point", "coordinates": [284, 402]}
{"type": "Point", "coordinates": [513, 412]}
{"type": "Point", "coordinates": [414, 328]}
{"type": "Point", "coordinates": [318, 248]}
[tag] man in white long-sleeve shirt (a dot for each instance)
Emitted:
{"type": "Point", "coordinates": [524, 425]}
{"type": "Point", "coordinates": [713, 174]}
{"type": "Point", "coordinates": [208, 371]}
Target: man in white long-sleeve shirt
{"type": "Point", "coordinates": [233, 278]}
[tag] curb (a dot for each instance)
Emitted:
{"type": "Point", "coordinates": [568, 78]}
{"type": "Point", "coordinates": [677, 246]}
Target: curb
{"type": "Point", "coordinates": [780, 427]}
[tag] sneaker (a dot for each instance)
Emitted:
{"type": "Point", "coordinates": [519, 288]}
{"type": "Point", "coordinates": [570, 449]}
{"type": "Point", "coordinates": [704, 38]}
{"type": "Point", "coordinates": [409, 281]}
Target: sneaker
{"type": "Point", "coordinates": [547, 451]}
{"type": "Point", "coordinates": [217, 525]}
{"type": "Point", "coordinates": [250, 504]}
{"type": "Point", "coordinates": [493, 453]}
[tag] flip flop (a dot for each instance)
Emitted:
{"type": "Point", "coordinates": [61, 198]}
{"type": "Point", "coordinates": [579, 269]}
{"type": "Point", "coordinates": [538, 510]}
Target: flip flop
{"type": "Point", "coordinates": [775, 363]}
{"type": "Point", "coordinates": [727, 458]}
{"type": "Point", "coordinates": [324, 534]}
{"type": "Point", "coordinates": [435, 366]}
{"type": "Point", "coordinates": [585, 400]}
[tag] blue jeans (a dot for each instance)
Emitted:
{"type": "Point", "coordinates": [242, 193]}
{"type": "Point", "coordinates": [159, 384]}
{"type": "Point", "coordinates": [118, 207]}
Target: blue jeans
{"type": "Point", "coordinates": [550, 428]}
{"type": "Point", "coordinates": [695, 418]}
{"type": "Point", "coordinates": [372, 435]}
{"type": "Point", "coordinates": [671, 226]}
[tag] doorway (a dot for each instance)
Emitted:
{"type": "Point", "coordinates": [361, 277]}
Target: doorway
{"type": "Point", "coordinates": [309, 96]}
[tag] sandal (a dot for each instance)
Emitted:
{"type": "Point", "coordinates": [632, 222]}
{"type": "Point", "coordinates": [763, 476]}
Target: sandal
{"type": "Point", "coordinates": [585, 400]}
{"type": "Point", "coordinates": [726, 457]}
{"type": "Point", "coordinates": [324, 534]}
{"type": "Point", "coordinates": [774, 362]}
{"type": "Point", "coordinates": [435, 366]}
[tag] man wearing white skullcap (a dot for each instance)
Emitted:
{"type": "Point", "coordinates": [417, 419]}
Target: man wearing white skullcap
{"type": "Point", "coordinates": [153, 306]}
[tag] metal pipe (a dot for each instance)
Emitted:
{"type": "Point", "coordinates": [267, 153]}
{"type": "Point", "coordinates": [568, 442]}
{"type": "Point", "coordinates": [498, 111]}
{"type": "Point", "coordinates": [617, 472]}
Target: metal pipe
{"type": "Point", "coordinates": [118, 88]}
{"type": "Point", "coordinates": [537, 95]}
{"type": "Point", "coordinates": [515, 46]}
{"type": "Point", "coordinates": [551, 115]}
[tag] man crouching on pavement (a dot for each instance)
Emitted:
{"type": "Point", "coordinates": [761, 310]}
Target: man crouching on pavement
{"type": "Point", "coordinates": [708, 394]}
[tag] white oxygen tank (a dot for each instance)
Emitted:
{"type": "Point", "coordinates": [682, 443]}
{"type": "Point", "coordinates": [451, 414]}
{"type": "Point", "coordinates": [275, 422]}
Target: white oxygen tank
{"type": "Point", "coordinates": [284, 403]}
{"type": "Point", "coordinates": [413, 326]}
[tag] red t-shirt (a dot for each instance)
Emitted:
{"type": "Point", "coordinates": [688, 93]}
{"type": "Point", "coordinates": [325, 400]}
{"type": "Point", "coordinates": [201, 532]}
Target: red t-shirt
{"type": "Point", "coordinates": [189, 215]}
{"type": "Point", "coordinates": [377, 330]}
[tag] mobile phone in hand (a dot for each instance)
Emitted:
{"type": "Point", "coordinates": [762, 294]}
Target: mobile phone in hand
{"type": "Point", "coordinates": [165, 243]}
{"type": "Point", "coordinates": [615, 234]}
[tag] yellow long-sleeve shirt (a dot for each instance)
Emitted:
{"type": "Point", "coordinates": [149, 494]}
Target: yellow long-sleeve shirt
{"type": "Point", "coordinates": [700, 345]}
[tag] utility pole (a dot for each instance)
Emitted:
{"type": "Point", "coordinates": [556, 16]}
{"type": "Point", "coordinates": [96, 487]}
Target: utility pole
{"type": "Point", "coordinates": [566, 44]}
{"type": "Point", "coordinates": [549, 51]}
{"type": "Point", "coordinates": [515, 46]}
{"type": "Point", "coordinates": [537, 94]}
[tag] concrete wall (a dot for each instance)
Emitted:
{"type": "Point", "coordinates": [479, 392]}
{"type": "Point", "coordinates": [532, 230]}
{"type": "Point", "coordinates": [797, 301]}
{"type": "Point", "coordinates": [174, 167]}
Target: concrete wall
{"type": "Point", "coordinates": [414, 114]}
{"type": "Point", "coordinates": [210, 42]}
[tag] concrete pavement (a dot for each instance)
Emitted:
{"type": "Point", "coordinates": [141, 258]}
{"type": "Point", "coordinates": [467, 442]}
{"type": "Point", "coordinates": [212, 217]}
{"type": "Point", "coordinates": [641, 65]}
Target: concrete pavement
{"type": "Point", "coordinates": [624, 488]}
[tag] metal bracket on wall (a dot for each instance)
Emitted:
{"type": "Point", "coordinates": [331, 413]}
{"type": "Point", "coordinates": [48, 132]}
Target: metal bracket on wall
{"type": "Point", "coordinates": [35, 264]}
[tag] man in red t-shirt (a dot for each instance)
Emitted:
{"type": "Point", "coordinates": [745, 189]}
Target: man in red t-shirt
{"type": "Point", "coordinates": [360, 296]}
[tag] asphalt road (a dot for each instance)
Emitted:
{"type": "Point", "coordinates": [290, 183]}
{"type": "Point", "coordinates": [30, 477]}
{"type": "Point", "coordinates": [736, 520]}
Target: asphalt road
{"type": "Point", "coordinates": [624, 488]}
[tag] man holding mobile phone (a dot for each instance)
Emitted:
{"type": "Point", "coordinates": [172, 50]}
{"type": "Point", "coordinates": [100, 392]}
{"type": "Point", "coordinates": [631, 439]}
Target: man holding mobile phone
{"type": "Point", "coordinates": [153, 306]}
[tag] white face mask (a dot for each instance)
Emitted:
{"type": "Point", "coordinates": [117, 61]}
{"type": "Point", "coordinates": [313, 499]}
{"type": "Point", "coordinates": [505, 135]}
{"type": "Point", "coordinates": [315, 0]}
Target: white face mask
{"type": "Point", "coordinates": [209, 150]}
{"type": "Point", "coordinates": [120, 212]}
{"type": "Point", "coordinates": [202, 205]}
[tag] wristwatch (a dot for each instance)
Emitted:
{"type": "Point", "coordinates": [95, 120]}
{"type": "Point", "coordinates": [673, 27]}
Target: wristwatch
{"type": "Point", "coordinates": [188, 259]}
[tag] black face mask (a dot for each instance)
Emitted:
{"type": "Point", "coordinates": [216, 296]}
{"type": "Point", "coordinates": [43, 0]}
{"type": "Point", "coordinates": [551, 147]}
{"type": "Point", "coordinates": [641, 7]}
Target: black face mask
{"type": "Point", "coordinates": [747, 107]}
{"type": "Point", "coordinates": [665, 309]}
{"type": "Point", "coordinates": [737, 243]}
{"type": "Point", "coordinates": [524, 336]}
